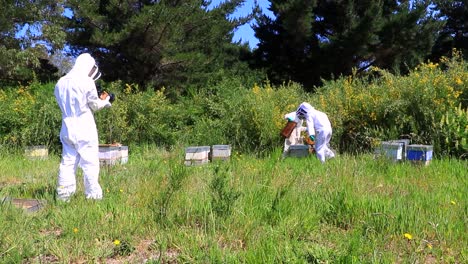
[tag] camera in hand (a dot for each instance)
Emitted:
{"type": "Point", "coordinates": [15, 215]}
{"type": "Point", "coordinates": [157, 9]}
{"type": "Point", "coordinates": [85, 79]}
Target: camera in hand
{"type": "Point", "coordinates": [102, 94]}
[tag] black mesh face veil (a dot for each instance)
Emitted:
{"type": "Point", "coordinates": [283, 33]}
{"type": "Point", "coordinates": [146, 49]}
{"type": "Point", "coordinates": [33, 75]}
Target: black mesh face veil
{"type": "Point", "coordinates": [94, 73]}
{"type": "Point", "coordinates": [301, 112]}
{"type": "Point", "coordinates": [97, 76]}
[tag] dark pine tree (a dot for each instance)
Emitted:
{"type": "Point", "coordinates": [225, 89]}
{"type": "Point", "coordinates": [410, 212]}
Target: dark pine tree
{"type": "Point", "coordinates": [454, 34]}
{"type": "Point", "coordinates": [169, 43]}
{"type": "Point", "coordinates": [322, 39]}
{"type": "Point", "coordinates": [29, 32]}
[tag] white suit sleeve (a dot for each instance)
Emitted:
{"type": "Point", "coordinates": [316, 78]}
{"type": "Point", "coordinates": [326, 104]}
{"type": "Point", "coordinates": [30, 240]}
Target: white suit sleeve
{"type": "Point", "coordinates": [310, 126]}
{"type": "Point", "coordinates": [94, 102]}
{"type": "Point", "coordinates": [290, 116]}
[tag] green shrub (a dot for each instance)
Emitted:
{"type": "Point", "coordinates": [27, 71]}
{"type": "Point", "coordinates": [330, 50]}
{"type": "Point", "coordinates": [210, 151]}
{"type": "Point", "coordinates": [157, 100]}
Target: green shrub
{"type": "Point", "coordinates": [383, 106]}
{"type": "Point", "coordinates": [364, 109]}
{"type": "Point", "coordinates": [454, 132]}
{"type": "Point", "coordinates": [30, 116]}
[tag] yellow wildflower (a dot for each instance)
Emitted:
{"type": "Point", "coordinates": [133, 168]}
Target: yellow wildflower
{"type": "Point", "coordinates": [116, 242]}
{"type": "Point", "coordinates": [75, 230]}
{"type": "Point", "coordinates": [458, 81]}
{"type": "Point", "coordinates": [128, 88]}
{"type": "Point", "coordinates": [453, 202]}
{"type": "Point", "coordinates": [256, 89]}
{"type": "Point", "coordinates": [432, 65]}
{"type": "Point", "coordinates": [408, 236]}
{"type": "Point", "coordinates": [429, 245]}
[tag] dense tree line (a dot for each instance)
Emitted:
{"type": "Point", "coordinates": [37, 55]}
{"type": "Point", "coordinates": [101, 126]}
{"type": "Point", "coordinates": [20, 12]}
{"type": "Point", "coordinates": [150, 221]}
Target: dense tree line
{"type": "Point", "coordinates": [314, 39]}
{"type": "Point", "coordinates": [186, 44]}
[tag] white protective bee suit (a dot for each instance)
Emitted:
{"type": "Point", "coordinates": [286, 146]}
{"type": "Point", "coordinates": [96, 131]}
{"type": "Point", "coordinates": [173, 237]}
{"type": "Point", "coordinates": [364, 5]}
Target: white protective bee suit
{"type": "Point", "coordinates": [317, 123]}
{"type": "Point", "coordinates": [295, 138]}
{"type": "Point", "coordinates": [77, 98]}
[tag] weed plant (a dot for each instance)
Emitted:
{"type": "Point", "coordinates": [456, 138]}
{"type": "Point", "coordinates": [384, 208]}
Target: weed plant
{"type": "Point", "coordinates": [352, 209]}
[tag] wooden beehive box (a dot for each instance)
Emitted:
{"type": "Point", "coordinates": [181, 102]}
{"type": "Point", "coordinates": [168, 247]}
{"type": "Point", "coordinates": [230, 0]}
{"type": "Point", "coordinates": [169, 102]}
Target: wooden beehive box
{"type": "Point", "coordinates": [220, 152]}
{"type": "Point", "coordinates": [197, 155]}
{"type": "Point", "coordinates": [391, 150]}
{"type": "Point", "coordinates": [36, 152]}
{"type": "Point", "coordinates": [111, 154]}
{"type": "Point", "coordinates": [298, 151]}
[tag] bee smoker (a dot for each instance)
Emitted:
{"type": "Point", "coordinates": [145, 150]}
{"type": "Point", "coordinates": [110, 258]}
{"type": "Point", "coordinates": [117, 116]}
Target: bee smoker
{"type": "Point", "coordinates": [103, 94]}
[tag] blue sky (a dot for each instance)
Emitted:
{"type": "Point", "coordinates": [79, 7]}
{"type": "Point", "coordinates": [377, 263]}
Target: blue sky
{"type": "Point", "coordinates": [246, 33]}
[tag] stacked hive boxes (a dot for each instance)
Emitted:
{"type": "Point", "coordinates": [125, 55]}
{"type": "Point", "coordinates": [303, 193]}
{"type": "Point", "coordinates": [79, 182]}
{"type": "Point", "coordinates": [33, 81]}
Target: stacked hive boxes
{"type": "Point", "coordinates": [112, 154]}
{"type": "Point", "coordinates": [399, 150]}
{"type": "Point", "coordinates": [198, 155]}
{"type": "Point", "coordinates": [36, 152]}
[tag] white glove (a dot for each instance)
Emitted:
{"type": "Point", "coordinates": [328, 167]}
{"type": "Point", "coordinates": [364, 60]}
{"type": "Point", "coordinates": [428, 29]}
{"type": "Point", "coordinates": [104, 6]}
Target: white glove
{"type": "Point", "coordinates": [107, 104]}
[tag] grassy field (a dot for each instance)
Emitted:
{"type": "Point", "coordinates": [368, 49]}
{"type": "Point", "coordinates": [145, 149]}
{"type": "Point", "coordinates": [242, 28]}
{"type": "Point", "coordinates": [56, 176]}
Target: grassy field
{"type": "Point", "coordinates": [353, 209]}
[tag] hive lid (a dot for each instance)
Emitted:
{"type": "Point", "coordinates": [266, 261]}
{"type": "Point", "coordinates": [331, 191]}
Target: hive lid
{"type": "Point", "coordinates": [197, 148]}
{"type": "Point", "coordinates": [110, 145]}
{"type": "Point", "coordinates": [29, 205]}
{"type": "Point", "coordinates": [420, 147]}
{"type": "Point", "coordinates": [391, 143]}
{"type": "Point", "coordinates": [299, 147]}
{"type": "Point", "coordinates": [221, 146]}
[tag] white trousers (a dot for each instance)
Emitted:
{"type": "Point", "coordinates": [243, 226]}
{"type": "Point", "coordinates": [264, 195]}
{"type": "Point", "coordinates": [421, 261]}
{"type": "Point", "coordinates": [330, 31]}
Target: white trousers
{"type": "Point", "coordinates": [322, 145]}
{"type": "Point", "coordinates": [85, 155]}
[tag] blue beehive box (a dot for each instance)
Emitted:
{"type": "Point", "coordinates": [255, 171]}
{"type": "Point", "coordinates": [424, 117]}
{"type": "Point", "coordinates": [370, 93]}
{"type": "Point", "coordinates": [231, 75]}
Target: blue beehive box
{"type": "Point", "coordinates": [419, 153]}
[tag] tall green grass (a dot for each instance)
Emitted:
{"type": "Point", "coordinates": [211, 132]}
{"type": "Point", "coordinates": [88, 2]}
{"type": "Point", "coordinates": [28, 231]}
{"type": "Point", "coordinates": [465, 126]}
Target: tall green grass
{"type": "Point", "coordinates": [353, 209]}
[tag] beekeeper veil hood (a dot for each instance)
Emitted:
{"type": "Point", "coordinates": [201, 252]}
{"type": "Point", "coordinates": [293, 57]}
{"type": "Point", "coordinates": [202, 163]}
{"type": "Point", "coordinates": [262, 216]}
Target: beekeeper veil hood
{"type": "Point", "coordinates": [86, 65]}
{"type": "Point", "coordinates": [304, 110]}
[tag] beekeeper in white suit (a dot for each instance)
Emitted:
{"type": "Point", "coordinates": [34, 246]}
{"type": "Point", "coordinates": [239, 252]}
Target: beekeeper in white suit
{"type": "Point", "coordinates": [318, 128]}
{"type": "Point", "coordinates": [77, 98]}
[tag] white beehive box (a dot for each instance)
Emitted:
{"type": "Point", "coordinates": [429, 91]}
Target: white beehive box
{"type": "Point", "coordinates": [124, 153]}
{"type": "Point", "coordinates": [36, 152]}
{"type": "Point", "coordinates": [112, 154]}
{"type": "Point", "coordinates": [298, 151]}
{"type": "Point", "coordinates": [197, 155]}
{"type": "Point", "coordinates": [221, 152]}
{"type": "Point", "coordinates": [405, 142]}
{"type": "Point", "coordinates": [391, 150]}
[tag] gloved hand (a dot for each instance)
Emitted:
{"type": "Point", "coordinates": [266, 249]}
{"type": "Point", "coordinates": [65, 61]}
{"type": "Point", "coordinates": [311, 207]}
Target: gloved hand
{"type": "Point", "coordinates": [111, 97]}
{"type": "Point", "coordinates": [107, 100]}
{"type": "Point", "coordinates": [312, 137]}
{"type": "Point", "coordinates": [308, 141]}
